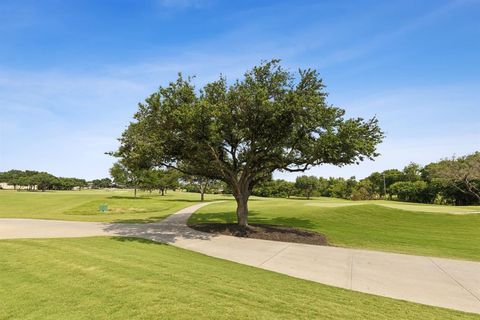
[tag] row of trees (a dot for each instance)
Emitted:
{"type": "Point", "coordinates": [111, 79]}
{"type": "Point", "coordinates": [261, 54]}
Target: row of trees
{"type": "Point", "coordinates": [148, 180]}
{"type": "Point", "coordinates": [34, 180]}
{"type": "Point", "coordinates": [162, 180]}
{"type": "Point", "coordinates": [450, 181]}
{"type": "Point", "coordinates": [144, 179]}
{"type": "Point", "coordinates": [308, 186]}
{"type": "Point", "coordinates": [101, 183]}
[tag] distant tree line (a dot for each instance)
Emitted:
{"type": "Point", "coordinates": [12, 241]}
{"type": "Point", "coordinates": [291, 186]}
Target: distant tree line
{"type": "Point", "coordinates": [34, 180]}
{"type": "Point", "coordinates": [146, 180]}
{"type": "Point", "coordinates": [453, 181]}
{"type": "Point", "coordinates": [162, 180]}
{"type": "Point", "coordinates": [101, 183]}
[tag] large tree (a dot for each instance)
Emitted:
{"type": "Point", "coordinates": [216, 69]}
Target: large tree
{"type": "Point", "coordinates": [269, 120]}
{"type": "Point", "coordinates": [461, 173]}
{"type": "Point", "coordinates": [162, 180]}
{"type": "Point", "coordinates": [307, 185]}
{"type": "Point", "coordinates": [199, 183]}
{"type": "Point", "coordinates": [101, 183]}
{"type": "Point", "coordinates": [126, 176]}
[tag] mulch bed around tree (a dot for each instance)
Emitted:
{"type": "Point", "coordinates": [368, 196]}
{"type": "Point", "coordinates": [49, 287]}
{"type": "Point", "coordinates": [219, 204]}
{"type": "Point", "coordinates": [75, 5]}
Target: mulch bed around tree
{"type": "Point", "coordinates": [265, 232]}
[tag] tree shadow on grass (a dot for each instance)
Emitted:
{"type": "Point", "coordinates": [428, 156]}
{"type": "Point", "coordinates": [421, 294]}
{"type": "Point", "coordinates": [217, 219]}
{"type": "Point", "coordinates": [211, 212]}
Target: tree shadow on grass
{"type": "Point", "coordinates": [286, 222]}
{"type": "Point", "coordinates": [181, 200]}
{"type": "Point", "coordinates": [255, 218]}
{"type": "Point", "coordinates": [161, 198]}
{"type": "Point", "coordinates": [206, 217]}
{"type": "Point", "coordinates": [140, 220]}
{"type": "Point", "coordinates": [173, 230]}
{"type": "Point", "coordinates": [129, 198]}
{"type": "Point", "coordinates": [196, 200]}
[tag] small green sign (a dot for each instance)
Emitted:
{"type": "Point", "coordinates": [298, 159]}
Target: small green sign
{"type": "Point", "coordinates": [103, 207]}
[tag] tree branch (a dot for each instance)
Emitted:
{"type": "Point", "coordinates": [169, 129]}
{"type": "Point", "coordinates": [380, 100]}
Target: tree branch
{"type": "Point", "coordinates": [305, 168]}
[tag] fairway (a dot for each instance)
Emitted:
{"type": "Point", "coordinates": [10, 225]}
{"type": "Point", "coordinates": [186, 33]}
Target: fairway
{"type": "Point", "coordinates": [430, 208]}
{"type": "Point", "coordinates": [105, 278]}
{"type": "Point", "coordinates": [408, 206]}
{"type": "Point", "coordinates": [364, 225]}
{"type": "Point", "coordinates": [84, 205]}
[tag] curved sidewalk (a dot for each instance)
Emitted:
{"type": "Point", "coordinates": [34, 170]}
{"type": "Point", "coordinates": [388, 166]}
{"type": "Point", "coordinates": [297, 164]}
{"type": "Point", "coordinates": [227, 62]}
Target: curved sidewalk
{"type": "Point", "coordinates": [439, 282]}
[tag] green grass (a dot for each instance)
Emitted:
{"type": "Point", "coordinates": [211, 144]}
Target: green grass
{"type": "Point", "coordinates": [113, 278]}
{"type": "Point", "coordinates": [363, 225]}
{"type": "Point", "coordinates": [83, 205]}
{"type": "Point", "coordinates": [431, 208]}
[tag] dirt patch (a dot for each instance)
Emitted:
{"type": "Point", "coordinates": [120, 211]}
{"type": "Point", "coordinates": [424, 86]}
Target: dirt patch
{"type": "Point", "coordinates": [265, 232]}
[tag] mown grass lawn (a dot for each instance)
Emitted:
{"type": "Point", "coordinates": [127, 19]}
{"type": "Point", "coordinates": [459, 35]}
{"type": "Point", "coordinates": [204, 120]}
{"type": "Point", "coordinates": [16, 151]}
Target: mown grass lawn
{"type": "Point", "coordinates": [363, 225]}
{"type": "Point", "coordinates": [113, 278]}
{"type": "Point", "coordinates": [84, 205]}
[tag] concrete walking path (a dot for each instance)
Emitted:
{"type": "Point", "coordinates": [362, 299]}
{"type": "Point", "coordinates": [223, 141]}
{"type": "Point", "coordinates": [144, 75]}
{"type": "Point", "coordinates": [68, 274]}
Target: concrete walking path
{"type": "Point", "coordinates": [433, 281]}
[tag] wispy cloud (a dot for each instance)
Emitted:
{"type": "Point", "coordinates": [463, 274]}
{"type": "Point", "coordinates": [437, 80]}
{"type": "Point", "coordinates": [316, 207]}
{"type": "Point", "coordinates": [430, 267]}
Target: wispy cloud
{"type": "Point", "coordinates": [68, 118]}
{"type": "Point", "coordinates": [76, 117]}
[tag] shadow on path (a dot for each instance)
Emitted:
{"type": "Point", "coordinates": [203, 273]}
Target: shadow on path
{"type": "Point", "coordinates": [170, 230]}
{"type": "Point", "coordinates": [157, 232]}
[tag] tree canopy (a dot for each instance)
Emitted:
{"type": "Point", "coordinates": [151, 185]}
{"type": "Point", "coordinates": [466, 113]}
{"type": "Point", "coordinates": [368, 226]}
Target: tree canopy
{"type": "Point", "coordinates": [307, 184]}
{"type": "Point", "coordinates": [461, 173]}
{"type": "Point", "coordinates": [450, 181]}
{"type": "Point", "coordinates": [271, 119]}
{"type": "Point", "coordinates": [34, 180]}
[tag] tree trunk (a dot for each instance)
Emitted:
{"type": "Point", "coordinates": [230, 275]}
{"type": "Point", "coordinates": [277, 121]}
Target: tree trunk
{"type": "Point", "coordinates": [202, 195]}
{"type": "Point", "coordinates": [242, 211]}
{"type": "Point", "coordinates": [135, 192]}
{"type": "Point", "coordinates": [472, 190]}
{"type": "Point", "coordinates": [163, 192]}
{"type": "Point", "coordinates": [241, 191]}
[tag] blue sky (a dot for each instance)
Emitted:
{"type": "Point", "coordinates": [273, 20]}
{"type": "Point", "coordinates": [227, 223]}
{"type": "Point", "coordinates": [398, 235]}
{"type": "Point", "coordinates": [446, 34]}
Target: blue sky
{"type": "Point", "coordinates": [72, 72]}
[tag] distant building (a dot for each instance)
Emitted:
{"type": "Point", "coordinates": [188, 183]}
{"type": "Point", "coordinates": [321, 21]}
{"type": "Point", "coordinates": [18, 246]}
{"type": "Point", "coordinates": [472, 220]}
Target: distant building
{"type": "Point", "coordinates": [6, 186]}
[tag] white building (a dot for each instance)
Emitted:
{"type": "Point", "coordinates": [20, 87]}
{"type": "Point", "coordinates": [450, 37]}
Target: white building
{"type": "Point", "coordinates": [6, 186]}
